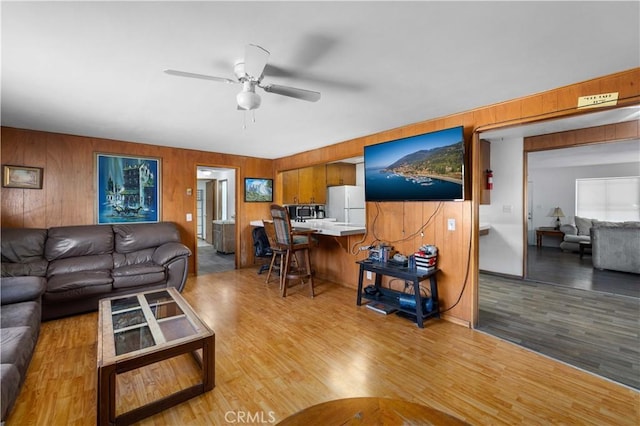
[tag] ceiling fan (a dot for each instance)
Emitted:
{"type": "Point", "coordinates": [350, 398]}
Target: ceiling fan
{"type": "Point", "coordinates": [250, 73]}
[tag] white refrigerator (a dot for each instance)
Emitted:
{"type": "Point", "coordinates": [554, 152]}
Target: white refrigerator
{"type": "Point", "coordinates": [346, 203]}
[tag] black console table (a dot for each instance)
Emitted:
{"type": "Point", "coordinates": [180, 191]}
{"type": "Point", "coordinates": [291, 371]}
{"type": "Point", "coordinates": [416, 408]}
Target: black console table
{"type": "Point", "coordinates": [390, 297]}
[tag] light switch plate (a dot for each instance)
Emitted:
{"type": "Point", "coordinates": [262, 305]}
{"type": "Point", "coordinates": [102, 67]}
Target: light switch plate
{"type": "Point", "coordinates": [451, 224]}
{"type": "Point", "coordinates": [189, 217]}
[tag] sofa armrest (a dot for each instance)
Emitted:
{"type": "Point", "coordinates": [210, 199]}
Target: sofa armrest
{"type": "Point", "coordinates": [21, 289]}
{"type": "Point", "coordinates": [168, 251]}
{"type": "Point", "coordinates": [569, 229]}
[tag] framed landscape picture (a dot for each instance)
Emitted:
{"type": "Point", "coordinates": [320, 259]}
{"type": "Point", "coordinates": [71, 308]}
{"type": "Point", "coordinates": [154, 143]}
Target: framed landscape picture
{"type": "Point", "coordinates": [258, 190]}
{"type": "Point", "coordinates": [128, 189]}
{"type": "Point", "coordinates": [22, 177]}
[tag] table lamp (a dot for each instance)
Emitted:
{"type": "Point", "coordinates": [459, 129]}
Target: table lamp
{"type": "Point", "coordinates": [557, 213]}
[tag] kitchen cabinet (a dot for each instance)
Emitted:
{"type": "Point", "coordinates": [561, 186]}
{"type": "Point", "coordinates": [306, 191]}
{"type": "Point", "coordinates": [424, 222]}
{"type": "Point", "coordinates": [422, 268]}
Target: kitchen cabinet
{"type": "Point", "coordinates": [312, 185]}
{"type": "Point", "coordinates": [224, 236]}
{"type": "Point", "coordinates": [341, 174]}
{"type": "Point", "coordinates": [305, 186]}
{"type": "Point", "coordinates": [290, 187]}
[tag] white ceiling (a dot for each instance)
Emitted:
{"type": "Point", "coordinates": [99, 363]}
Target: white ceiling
{"type": "Point", "coordinates": [588, 155]}
{"type": "Point", "coordinates": [96, 68]}
{"type": "Point", "coordinates": [598, 153]}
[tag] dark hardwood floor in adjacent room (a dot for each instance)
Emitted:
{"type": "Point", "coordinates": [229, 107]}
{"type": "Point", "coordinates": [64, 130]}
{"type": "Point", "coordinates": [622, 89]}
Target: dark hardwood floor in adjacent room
{"type": "Point", "coordinates": [554, 266]}
{"type": "Point", "coordinates": [569, 311]}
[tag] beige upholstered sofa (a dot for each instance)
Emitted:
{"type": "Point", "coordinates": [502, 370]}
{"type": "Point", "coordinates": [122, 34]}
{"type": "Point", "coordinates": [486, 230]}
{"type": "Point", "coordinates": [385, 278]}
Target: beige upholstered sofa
{"type": "Point", "coordinates": [616, 246]}
{"type": "Point", "coordinates": [575, 234]}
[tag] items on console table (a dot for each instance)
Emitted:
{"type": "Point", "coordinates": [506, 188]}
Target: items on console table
{"type": "Point", "coordinates": [411, 304]}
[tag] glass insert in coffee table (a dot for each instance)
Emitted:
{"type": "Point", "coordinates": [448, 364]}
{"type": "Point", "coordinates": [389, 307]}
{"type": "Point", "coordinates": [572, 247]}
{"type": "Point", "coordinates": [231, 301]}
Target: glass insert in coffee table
{"type": "Point", "coordinates": [144, 328]}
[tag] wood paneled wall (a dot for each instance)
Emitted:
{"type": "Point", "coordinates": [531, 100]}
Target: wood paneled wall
{"type": "Point", "coordinates": [598, 134]}
{"type": "Point", "coordinates": [68, 193]}
{"type": "Point", "coordinates": [398, 223]}
{"type": "Point", "coordinates": [69, 188]}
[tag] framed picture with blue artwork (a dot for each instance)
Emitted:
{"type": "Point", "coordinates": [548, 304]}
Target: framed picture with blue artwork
{"type": "Point", "coordinates": [258, 190]}
{"type": "Point", "coordinates": [127, 189]}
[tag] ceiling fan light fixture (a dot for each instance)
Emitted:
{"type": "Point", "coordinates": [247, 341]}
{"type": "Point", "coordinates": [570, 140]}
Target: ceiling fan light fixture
{"type": "Point", "coordinates": [250, 72]}
{"type": "Point", "coordinates": [248, 99]}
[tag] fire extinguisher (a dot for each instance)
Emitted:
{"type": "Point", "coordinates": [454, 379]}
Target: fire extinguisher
{"type": "Point", "coordinates": [489, 179]}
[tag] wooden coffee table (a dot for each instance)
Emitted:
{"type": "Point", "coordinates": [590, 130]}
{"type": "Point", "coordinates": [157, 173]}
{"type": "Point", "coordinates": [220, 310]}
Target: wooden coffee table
{"type": "Point", "coordinates": [584, 245]}
{"type": "Point", "coordinates": [145, 328]}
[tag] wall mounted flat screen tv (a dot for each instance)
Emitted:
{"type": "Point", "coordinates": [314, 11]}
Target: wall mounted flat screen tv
{"type": "Point", "coordinates": [426, 167]}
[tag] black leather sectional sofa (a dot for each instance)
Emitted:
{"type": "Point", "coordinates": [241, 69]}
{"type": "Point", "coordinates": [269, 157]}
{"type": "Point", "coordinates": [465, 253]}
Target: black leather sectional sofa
{"type": "Point", "coordinates": [61, 271]}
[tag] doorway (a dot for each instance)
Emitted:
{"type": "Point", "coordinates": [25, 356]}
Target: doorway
{"type": "Point", "coordinates": [517, 210]}
{"type": "Point", "coordinates": [215, 219]}
{"type": "Point", "coordinates": [539, 297]}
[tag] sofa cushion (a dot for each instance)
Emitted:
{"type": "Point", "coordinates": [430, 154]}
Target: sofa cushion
{"type": "Point", "coordinates": [84, 263]}
{"type": "Point", "coordinates": [16, 346]}
{"type": "Point", "coordinates": [137, 275]}
{"type": "Point", "coordinates": [23, 252]}
{"type": "Point", "coordinates": [22, 244]}
{"type": "Point", "coordinates": [79, 280]}
{"type": "Point", "coordinates": [21, 289]}
{"type": "Point", "coordinates": [583, 225]}
{"type": "Point", "coordinates": [11, 381]}
{"type": "Point", "coordinates": [139, 236]}
{"type": "Point", "coordinates": [23, 314]}
{"type": "Point", "coordinates": [608, 224]}
{"type": "Point", "coordinates": [577, 238]}
{"type": "Point", "coordinates": [133, 258]}
{"type": "Point", "coordinates": [37, 268]}
{"type": "Point", "coordinates": [74, 241]}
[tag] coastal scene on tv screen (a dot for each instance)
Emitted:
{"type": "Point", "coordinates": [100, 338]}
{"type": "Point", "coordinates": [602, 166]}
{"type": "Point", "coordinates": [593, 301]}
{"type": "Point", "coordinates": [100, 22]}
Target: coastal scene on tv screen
{"type": "Point", "coordinates": [418, 168]}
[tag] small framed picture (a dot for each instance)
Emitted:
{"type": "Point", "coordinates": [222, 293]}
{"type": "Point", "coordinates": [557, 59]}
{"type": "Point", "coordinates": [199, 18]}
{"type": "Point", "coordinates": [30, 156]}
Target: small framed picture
{"type": "Point", "coordinates": [258, 190]}
{"type": "Point", "coordinates": [22, 177]}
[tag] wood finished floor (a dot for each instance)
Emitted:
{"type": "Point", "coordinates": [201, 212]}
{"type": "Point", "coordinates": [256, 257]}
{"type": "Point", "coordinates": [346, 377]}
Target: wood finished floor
{"type": "Point", "coordinates": [552, 265]}
{"type": "Point", "coordinates": [277, 356]}
{"type": "Point", "coordinates": [595, 331]}
{"type": "Point", "coordinates": [570, 311]}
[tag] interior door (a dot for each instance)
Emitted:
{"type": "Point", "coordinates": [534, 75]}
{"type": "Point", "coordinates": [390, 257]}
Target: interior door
{"type": "Point", "coordinates": [531, 232]}
{"type": "Point", "coordinates": [210, 215]}
{"type": "Point", "coordinates": [221, 206]}
{"type": "Point", "coordinates": [200, 213]}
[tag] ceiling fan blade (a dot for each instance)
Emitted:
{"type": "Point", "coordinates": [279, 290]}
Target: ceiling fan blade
{"type": "Point", "coordinates": [292, 92]}
{"type": "Point", "coordinates": [200, 76]}
{"type": "Point", "coordinates": [255, 59]}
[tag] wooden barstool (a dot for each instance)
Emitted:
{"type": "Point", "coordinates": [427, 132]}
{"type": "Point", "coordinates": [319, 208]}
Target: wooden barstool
{"type": "Point", "coordinates": [278, 253]}
{"type": "Point", "coordinates": [292, 241]}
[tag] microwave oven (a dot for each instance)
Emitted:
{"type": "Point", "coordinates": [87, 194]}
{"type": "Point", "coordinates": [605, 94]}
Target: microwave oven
{"type": "Point", "coordinates": [305, 212]}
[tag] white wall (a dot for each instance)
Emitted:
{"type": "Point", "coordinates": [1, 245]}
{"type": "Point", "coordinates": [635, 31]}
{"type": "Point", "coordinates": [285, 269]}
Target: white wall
{"type": "Point", "coordinates": [555, 187]}
{"type": "Point", "coordinates": [360, 174]}
{"type": "Point", "coordinates": [502, 250]}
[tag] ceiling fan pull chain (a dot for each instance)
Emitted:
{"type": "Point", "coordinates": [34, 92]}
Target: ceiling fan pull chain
{"type": "Point", "coordinates": [253, 115]}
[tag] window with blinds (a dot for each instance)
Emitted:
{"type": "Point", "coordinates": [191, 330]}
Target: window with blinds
{"type": "Point", "coordinates": [612, 199]}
